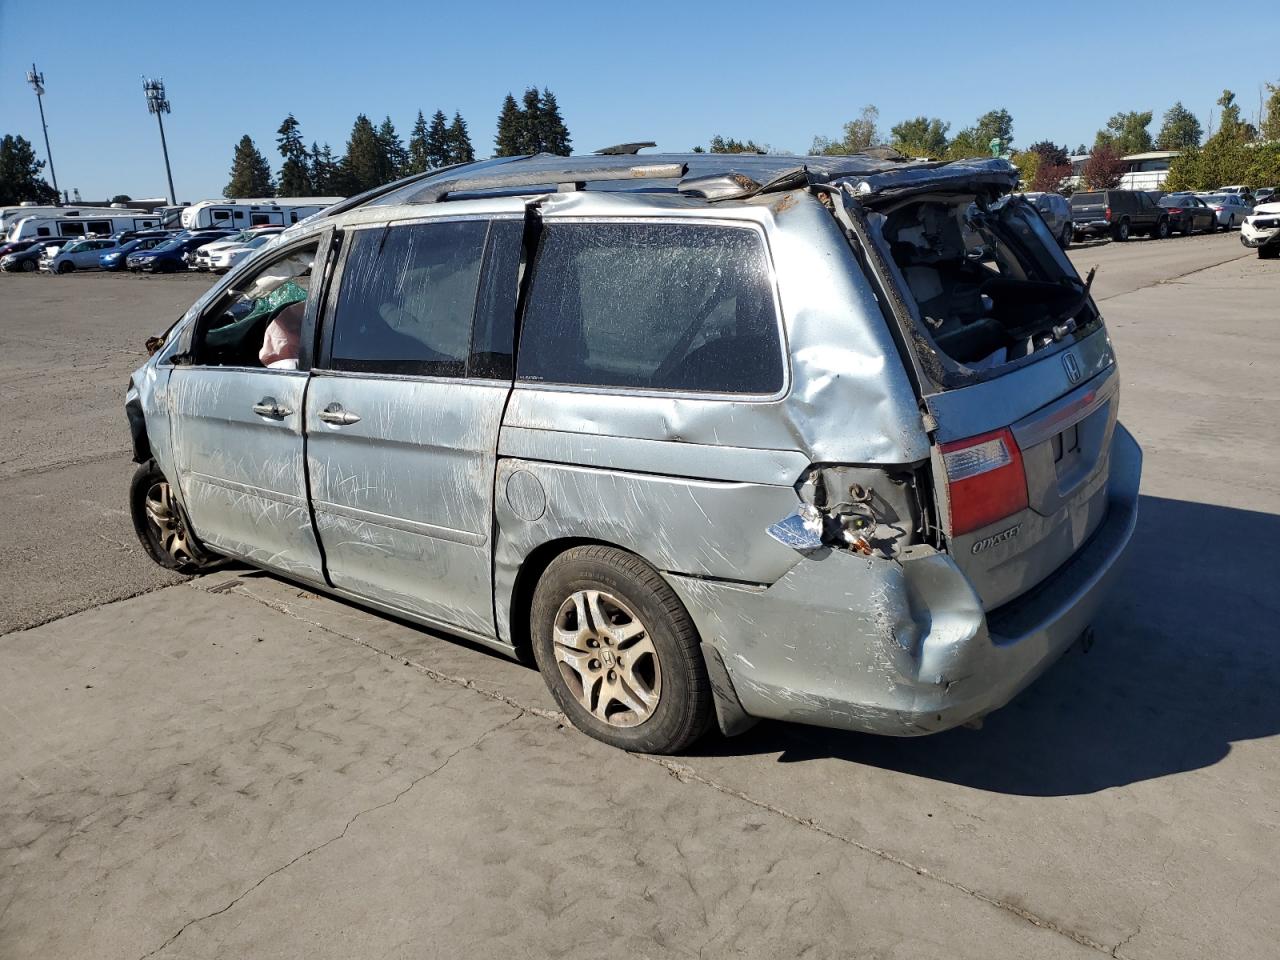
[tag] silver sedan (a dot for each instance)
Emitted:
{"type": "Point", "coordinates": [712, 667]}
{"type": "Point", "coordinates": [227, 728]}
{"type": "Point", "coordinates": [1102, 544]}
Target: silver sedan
{"type": "Point", "coordinates": [1230, 208]}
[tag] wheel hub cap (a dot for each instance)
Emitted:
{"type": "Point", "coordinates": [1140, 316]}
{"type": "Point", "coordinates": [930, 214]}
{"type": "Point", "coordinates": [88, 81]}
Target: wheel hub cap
{"type": "Point", "coordinates": [606, 658]}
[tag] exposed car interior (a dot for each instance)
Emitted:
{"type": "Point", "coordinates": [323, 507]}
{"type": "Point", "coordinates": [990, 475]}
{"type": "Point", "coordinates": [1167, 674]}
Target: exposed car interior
{"type": "Point", "coordinates": [984, 277]}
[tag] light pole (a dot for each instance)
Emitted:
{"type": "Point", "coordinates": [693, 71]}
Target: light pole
{"type": "Point", "coordinates": [36, 79]}
{"type": "Point", "coordinates": [158, 104]}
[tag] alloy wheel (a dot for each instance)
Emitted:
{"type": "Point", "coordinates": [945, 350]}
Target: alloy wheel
{"type": "Point", "coordinates": [166, 522]}
{"type": "Point", "coordinates": [606, 658]}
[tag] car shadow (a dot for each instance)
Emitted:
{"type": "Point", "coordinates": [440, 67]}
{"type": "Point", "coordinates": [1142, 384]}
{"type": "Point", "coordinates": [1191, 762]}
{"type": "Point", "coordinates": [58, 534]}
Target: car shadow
{"type": "Point", "coordinates": [1184, 665]}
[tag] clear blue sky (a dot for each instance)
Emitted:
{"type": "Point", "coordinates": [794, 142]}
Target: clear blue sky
{"type": "Point", "coordinates": [674, 73]}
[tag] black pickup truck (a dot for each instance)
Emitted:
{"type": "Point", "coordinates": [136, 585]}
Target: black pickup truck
{"type": "Point", "coordinates": [1118, 214]}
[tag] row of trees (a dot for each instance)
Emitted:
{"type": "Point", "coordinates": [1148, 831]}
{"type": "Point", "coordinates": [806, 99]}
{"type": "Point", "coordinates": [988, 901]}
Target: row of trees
{"type": "Point", "coordinates": [376, 155]}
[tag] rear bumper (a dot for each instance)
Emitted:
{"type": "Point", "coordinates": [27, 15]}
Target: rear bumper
{"type": "Point", "coordinates": [1091, 226]}
{"type": "Point", "coordinates": [904, 648]}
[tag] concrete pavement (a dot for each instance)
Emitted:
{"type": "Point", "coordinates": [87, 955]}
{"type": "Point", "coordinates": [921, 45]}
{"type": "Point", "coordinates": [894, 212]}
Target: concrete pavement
{"type": "Point", "coordinates": [234, 766]}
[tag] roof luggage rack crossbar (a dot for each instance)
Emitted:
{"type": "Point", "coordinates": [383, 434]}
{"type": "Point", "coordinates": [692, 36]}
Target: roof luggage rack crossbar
{"type": "Point", "coordinates": [565, 178]}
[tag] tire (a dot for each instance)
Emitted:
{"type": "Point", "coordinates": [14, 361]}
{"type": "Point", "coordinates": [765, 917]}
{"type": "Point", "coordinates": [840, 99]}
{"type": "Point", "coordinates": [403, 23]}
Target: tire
{"type": "Point", "coordinates": [1065, 239]}
{"type": "Point", "coordinates": [1270, 252]}
{"type": "Point", "coordinates": [658, 701]}
{"type": "Point", "coordinates": [1161, 232]}
{"type": "Point", "coordinates": [29, 266]}
{"type": "Point", "coordinates": [66, 267]}
{"type": "Point", "coordinates": [1120, 231]}
{"type": "Point", "coordinates": [161, 525]}
{"type": "Point", "coordinates": [1231, 223]}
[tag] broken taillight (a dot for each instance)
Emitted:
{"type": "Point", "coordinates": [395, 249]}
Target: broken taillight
{"type": "Point", "coordinates": [985, 480]}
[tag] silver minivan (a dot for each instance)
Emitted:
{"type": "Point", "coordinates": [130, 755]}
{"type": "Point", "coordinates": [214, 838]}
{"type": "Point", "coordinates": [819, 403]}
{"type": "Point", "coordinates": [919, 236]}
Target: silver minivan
{"type": "Point", "coordinates": [710, 437]}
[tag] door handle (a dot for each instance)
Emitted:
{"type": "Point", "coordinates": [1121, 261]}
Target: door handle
{"type": "Point", "coordinates": [334, 413]}
{"type": "Point", "coordinates": [270, 407]}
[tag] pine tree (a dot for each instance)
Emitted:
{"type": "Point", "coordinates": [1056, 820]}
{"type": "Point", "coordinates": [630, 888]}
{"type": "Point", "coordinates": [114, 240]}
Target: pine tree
{"type": "Point", "coordinates": [1180, 129]}
{"type": "Point", "coordinates": [418, 161]}
{"type": "Point", "coordinates": [295, 177]}
{"type": "Point", "coordinates": [20, 173]}
{"type": "Point", "coordinates": [393, 147]}
{"type": "Point", "coordinates": [365, 165]}
{"type": "Point", "coordinates": [250, 172]}
{"type": "Point", "coordinates": [508, 142]}
{"type": "Point", "coordinates": [460, 149]}
{"type": "Point", "coordinates": [532, 127]}
{"type": "Point", "coordinates": [555, 135]}
{"type": "Point", "coordinates": [438, 141]}
{"type": "Point", "coordinates": [322, 170]}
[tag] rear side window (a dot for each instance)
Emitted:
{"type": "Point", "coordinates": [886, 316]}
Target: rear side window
{"type": "Point", "coordinates": [407, 298]}
{"type": "Point", "coordinates": [652, 306]}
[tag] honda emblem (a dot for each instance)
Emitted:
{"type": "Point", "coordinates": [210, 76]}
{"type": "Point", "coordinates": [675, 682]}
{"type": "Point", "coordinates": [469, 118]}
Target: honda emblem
{"type": "Point", "coordinates": [1073, 367]}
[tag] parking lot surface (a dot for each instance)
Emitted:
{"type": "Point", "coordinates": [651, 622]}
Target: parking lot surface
{"type": "Point", "coordinates": [233, 766]}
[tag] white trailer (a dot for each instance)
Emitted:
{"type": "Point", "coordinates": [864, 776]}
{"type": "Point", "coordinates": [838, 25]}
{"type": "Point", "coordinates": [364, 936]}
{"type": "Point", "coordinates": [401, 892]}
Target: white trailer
{"type": "Point", "coordinates": [237, 214]}
{"type": "Point", "coordinates": [35, 228]}
{"type": "Point", "coordinates": [11, 215]}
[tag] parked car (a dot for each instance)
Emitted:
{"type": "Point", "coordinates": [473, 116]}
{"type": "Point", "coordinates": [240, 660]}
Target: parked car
{"type": "Point", "coordinates": [667, 480]}
{"type": "Point", "coordinates": [201, 259]}
{"type": "Point", "coordinates": [1188, 214]}
{"type": "Point", "coordinates": [1118, 214]}
{"type": "Point", "coordinates": [1261, 230]}
{"type": "Point", "coordinates": [222, 259]}
{"type": "Point", "coordinates": [1240, 190]}
{"type": "Point", "coordinates": [168, 257]}
{"type": "Point", "coordinates": [1230, 208]}
{"type": "Point", "coordinates": [76, 255]}
{"type": "Point", "coordinates": [1264, 195]}
{"type": "Point", "coordinates": [1056, 210]}
{"type": "Point", "coordinates": [115, 259]}
{"type": "Point", "coordinates": [28, 260]}
{"type": "Point", "coordinates": [16, 246]}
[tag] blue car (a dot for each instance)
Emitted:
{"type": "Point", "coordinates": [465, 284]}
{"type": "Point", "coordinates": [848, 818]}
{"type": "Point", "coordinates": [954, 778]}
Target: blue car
{"type": "Point", "coordinates": [115, 259]}
{"type": "Point", "coordinates": [168, 257]}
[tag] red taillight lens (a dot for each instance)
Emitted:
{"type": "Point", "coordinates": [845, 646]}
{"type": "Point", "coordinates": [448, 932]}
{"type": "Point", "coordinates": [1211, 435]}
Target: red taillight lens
{"type": "Point", "coordinates": [985, 480]}
{"type": "Point", "coordinates": [1108, 213]}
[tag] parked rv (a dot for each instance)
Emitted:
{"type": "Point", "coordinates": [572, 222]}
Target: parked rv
{"type": "Point", "coordinates": [238, 214]}
{"type": "Point", "coordinates": [11, 215]}
{"type": "Point", "coordinates": [35, 228]}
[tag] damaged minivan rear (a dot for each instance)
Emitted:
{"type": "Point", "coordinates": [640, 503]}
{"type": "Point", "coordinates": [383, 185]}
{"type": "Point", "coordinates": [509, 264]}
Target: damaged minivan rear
{"type": "Point", "coordinates": [708, 438]}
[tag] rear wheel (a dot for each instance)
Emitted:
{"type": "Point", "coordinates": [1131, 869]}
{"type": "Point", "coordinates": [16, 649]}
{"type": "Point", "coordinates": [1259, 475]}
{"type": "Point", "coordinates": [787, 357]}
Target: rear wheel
{"type": "Point", "coordinates": [1162, 229]}
{"type": "Point", "coordinates": [617, 649]}
{"type": "Point", "coordinates": [160, 523]}
{"type": "Point", "coordinates": [1231, 222]}
{"type": "Point", "coordinates": [1065, 239]}
{"type": "Point", "coordinates": [1120, 231]}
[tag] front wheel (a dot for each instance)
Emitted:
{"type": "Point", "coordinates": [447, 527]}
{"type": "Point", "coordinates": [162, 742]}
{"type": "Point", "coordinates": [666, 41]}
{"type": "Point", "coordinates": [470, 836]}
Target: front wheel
{"type": "Point", "coordinates": [617, 649]}
{"type": "Point", "coordinates": [29, 266]}
{"type": "Point", "coordinates": [160, 523]}
{"type": "Point", "coordinates": [66, 267]}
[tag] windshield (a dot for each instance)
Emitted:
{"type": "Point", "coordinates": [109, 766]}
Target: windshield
{"type": "Point", "coordinates": [1215, 198]}
{"type": "Point", "coordinates": [77, 246]}
{"type": "Point", "coordinates": [166, 247]}
{"type": "Point", "coordinates": [260, 241]}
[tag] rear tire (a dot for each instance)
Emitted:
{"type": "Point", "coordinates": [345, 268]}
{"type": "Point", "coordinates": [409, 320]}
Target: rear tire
{"type": "Point", "coordinates": [1120, 231]}
{"type": "Point", "coordinates": [161, 524]}
{"type": "Point", "coordinates": [619, 652]}
{"type": "Point", "coordinates": [1065, 239]}
{"type": "Point", "coordinates": [1161, 231]}
{"type": "Point", "coordinates": [1231, 223]}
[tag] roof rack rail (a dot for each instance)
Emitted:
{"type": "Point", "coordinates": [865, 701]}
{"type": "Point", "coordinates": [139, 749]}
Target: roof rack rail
{"type": "Point", "coordinates": [566, 179]}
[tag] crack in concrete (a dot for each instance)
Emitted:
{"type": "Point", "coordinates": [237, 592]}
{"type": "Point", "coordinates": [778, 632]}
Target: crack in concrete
{"type": "Point", "coordinates": [1174, 279]}
{"type": "Point", "coordinates": [334, 839]}
{"type": "Point", "coordinates": [686, 774]}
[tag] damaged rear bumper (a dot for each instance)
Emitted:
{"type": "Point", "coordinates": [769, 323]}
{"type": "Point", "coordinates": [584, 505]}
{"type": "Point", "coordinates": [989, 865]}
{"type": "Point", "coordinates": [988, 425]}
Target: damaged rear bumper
{"type": "Point", "coordinates": [905, 648]}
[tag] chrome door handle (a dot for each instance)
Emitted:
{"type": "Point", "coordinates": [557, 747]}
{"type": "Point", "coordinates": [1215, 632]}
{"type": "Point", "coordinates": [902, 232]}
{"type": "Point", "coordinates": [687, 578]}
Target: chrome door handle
{"type": "Point", "coordinates": [334, 413]}
{"type": "Point", "coordinates": [270, 407]}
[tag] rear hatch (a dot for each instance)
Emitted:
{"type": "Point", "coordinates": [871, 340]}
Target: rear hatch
{"type": "Point", "coordinates": [1014, 369]}
{"type": "Point", "coordinates": [1087, 207]}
